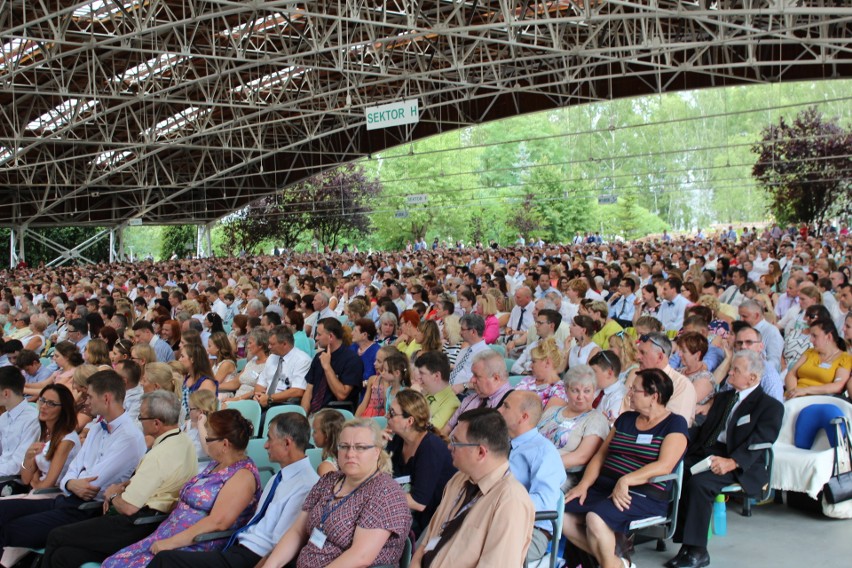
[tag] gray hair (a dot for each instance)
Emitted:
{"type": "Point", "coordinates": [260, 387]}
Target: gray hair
{"type": "Point", "coordinates": [494, 362]}
{"type": "Point", "coordinates": [752, 306]}
{"type": "Point", "coordinates": [255, 304]}
{"type": "Point", "coordinates": [474, 322]}
{"type": "Point", "coordinates": [388, 316]}
{"type": "Point", "coordinates": [755, 362]}
{"type": "Point", "coordinates": [659, 340]}
{"type": "Point", "coordinates": [162, 405]}
{"type": "Point", "coordinates": [261, 337]}
{"type": "Point", "coordinates": [323, 296]}
{"type": "Point", "coordinates": [582, 375]}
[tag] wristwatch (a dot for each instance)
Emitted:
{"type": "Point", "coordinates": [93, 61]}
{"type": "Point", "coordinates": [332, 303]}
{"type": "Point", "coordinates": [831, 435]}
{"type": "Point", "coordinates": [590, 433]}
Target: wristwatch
{"type": "Point", "coordinates": [111, 497]}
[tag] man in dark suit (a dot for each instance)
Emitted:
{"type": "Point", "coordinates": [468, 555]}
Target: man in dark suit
{"type": "Point", "coordinates": [738, 419]}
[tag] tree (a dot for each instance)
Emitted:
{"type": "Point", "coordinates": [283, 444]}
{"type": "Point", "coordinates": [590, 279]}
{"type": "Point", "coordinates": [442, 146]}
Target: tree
{"type": "Point", "coordinates": [178, 239]}
{"type": "Point", "coordinates": [277, 218]}
{"type": "Point", "coordinates": [337, 202]}
{"type": "Point", "coordinates": [805, 167]}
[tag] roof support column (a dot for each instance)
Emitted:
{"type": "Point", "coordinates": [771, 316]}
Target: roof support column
{"type": "Point", "coordinates": [204, 241]}
{"type": "Point", "coordinates": [116, 244]}
{"type": "Point", "coordinates": [16, 245]}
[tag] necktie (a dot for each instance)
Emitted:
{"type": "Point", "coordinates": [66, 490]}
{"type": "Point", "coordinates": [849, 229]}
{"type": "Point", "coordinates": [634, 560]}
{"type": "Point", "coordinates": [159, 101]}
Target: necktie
{"type": "Point", "coordinates": [598, 399]}
{"type": "Point", "coordinates": [723, 423]}
{"type": "Point", "coordinates": [460, 365]}
{"type": "Point", "coordinates": [104, 425]}
{"type": "Point", "coordinates": [262, 511]}
{"type": "Point", "coordinates": [483, 402]}
{"type": "Point", "coordinates": [273, 384]}
{"type": "Point", "coordinates": [521, 319]}
{"type": "Point", "coordinates": [452, 526]}
{"type": "Point", "coordinates": [670, 304]}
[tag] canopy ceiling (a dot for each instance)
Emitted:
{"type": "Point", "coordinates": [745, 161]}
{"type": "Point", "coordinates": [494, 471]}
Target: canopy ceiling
{"type": "Point", "coordinates": [182, 111]}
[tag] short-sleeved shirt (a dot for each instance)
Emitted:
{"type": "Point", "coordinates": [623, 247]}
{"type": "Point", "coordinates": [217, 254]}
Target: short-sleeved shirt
{"type": "Point", "coordinates": [567, 433]}
{"type": "Point", "coordinates": [378, 504]}
{"type": "Point", "coordinates": [813, 372]}
{"type": "Point", "coordinates": [631, 449]}
{"type": "Point", "coordinates": [163, 472]}
{"type": "Point", "coordinates": [442, 406]}
{"type": "Point", "coordinates": [368, 358]}
{"type": "Point", "coordinates": [430, 468]}
{"type": "Point", "coordinates": [349, 370]}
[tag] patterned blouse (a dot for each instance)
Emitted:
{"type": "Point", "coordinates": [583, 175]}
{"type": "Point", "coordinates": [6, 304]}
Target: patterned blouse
{"type": "Point", "coordinates": [378, 504]}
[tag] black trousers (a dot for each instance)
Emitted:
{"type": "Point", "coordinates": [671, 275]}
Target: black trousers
{"type": "Point", "coordinates": [237, 556]}
{"type": "Point", "coordinates": [27, 522]}
{"type": "Point", "coordinates": [94, 540]}
{"type": "Point", "coordinates": [696, 501]}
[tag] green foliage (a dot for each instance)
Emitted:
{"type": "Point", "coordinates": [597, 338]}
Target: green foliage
{"type": "Point", "coordinates": [37, 252]}
{"type": "Point", "coordinates": [180, 239]}
{"type": "Point", "coordinates": [805, 167]}
{"type": "Point", "coordinates": [329, 206]}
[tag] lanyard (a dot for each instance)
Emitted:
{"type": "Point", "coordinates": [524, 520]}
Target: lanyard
{"type": "Point", "coordinates": [326, 513]}
{"type": "Point", "coordinates": [451, 517]}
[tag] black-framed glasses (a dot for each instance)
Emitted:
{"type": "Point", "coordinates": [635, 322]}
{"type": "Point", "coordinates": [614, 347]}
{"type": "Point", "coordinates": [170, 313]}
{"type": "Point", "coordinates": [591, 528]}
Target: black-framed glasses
{"type": "Point", "coordinates": [211, 440]}
{"type": "Point", "coordinates": [456, 444]}
{"type": "Point", "coordinates": [143, 418]}
{"type": "Point", "coordinates": [393, 413]}
{"type": "Point", "coordinates": [49, 403]}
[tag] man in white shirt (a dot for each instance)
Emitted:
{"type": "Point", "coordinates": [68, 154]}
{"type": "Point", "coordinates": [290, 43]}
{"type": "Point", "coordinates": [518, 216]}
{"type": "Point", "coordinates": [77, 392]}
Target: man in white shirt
{"type": "Point", "coordinates": [732, 294]}
{"type": "Point", "coordinates": [520, 319]}
{"type": "Point", "coordinates": [19, 426]}
{"type": "Point", "coordinates": [111, 452]}
{"type": "Point", "coordinates": [472, 328]}
{"type": "Point", "coordinates": [279, 506]}
{"type": "Point", "coordinates": [546, 322]}
{"type": "Point", "coordinates": [752, 313]}
{"type": "Point", "coordinates": [283, 377]}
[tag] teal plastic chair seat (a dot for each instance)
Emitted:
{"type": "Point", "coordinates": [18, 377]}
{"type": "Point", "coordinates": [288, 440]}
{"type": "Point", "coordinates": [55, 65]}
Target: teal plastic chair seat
{"type": "Point", "coordinates": [250, 409]}
{"type": "Point", "coordinates": [276, 410]}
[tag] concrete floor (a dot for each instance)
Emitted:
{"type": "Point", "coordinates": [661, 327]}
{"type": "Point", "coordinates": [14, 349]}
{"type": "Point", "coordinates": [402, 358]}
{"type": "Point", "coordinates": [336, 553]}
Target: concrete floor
{"type": "Point", "coordinates": [775, 536]}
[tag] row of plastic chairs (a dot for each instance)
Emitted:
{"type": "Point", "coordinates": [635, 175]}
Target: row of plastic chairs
{"type": "Point", "coordinates": [252, 411]}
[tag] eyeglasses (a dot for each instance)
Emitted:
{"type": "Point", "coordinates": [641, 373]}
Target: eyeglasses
{"type": "Point", "coordinates": [211, 440]}
{"type": "Point", "coordinates": [746, 342]}
{"type": "Point", "coordinates": [49, 403]}
{"type": "Point", "coordinates": [358, 448]}
{"type": "Point", "coordinates": [545, 322]}
{"type": "Point", "coordinates": [393, 413]}
{"type": "Point", "coordinates": [455, 444]}
{"type": "Point", "coordinates": [143, 418]}
{"type": "Point", "coordinates": [634, 390]}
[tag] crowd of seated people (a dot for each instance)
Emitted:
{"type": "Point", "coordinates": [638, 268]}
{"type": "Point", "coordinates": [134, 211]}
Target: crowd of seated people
{"type": "Point", "coordinates": [612, 342]}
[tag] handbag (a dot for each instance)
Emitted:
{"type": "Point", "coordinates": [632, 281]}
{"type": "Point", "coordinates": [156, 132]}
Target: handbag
{"type": "Point", "coordinates": [839, 487]}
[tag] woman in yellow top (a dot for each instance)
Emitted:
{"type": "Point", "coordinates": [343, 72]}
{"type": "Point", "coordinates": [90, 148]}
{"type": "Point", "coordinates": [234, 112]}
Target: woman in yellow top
{"type": "Point", "coordinates": [407, 342]}
{"type": "Point", "coordinates": [823, 369]}
{"type": "Point", "coordinates": [599, 311]}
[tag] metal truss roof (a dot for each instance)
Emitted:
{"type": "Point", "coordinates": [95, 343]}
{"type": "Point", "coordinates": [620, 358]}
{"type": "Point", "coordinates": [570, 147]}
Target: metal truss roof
{"type": "Point", "coordinates": [179, 111]}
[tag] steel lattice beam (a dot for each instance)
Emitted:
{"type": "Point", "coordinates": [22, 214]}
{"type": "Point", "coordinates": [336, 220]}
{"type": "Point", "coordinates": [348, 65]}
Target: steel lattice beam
{"type": "Point", "coordinates": [180, 111]}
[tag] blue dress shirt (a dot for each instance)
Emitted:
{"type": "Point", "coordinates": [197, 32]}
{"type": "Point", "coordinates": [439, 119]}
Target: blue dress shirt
{"type": "Point", "coordinates": [536, 464]}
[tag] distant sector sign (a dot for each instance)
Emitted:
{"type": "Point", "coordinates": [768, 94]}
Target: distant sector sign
{"type": "Point", "coordinates": [393, 114]}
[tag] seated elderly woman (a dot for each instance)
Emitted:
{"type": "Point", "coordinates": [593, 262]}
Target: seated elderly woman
{"type": "Point", "coordinates": [223, 496]}
{"type": "Point", "coordinates": [546, 359]}
{"type": "Point", "coordinates": [418, 453]}
{"type": "Point", "coordinates": [823, 369]}
{"type": "Point", "coordinates": [576, 429]}
{"type": "Point", "coordinates": [355, 517]}
{"type": "Point", "coordinates": [241, 387]}
{"type": "Point", "coordinates": [644, 443]}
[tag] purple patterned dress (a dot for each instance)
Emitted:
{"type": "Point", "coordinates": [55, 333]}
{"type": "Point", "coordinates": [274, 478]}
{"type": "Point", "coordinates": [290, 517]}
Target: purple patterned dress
{"type": "Point", "coordinates": [196, 500]}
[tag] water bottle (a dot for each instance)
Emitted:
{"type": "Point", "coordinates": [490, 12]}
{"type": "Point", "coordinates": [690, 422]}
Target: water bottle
{"type": "Point", "coordinates": [720, 519]}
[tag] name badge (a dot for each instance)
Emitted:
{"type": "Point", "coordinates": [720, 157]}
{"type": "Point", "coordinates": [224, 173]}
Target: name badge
{"type": "Point", "coordinates": [744, 420]}
{"type": "Point", "coordinates": [644, 439]}
{"type": "Point", "coordinates": [318, 538]}
{"type": "Point", "coordinates": [825, 365]}
{"type": "Point", "coordinates": [433, 542]}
